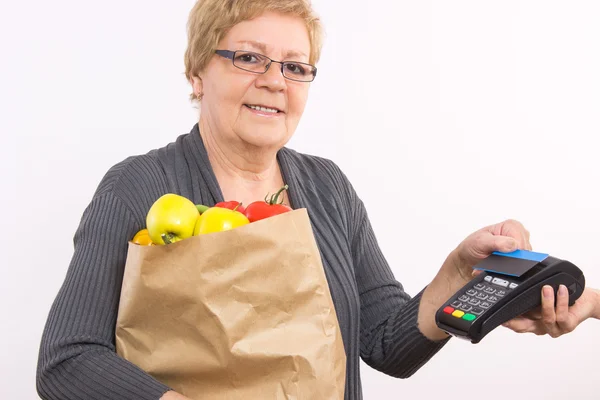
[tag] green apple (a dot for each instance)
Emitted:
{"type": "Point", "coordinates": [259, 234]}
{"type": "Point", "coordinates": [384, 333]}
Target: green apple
{"type": "Point", "coordinates": [171, 218]}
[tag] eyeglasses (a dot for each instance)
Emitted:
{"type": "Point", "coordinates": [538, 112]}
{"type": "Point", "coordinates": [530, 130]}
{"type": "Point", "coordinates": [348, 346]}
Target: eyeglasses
{"type": "Point", "coordinates": [259, 64]}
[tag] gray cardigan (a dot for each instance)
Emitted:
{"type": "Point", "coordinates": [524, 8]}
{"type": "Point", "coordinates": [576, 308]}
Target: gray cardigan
{"type": "Point", "coordinates": [378, 320]}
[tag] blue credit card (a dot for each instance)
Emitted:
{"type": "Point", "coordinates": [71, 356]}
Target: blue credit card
{"type": "Point", "coordinates": [524, 255]}
{"type": "Point", "coordinates": [515, 263]}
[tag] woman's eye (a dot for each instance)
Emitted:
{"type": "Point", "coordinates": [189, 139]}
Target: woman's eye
{"type": "Point", "coordinates": [295, 69]}
{"type": "Point", "coordinates": [247, 58]}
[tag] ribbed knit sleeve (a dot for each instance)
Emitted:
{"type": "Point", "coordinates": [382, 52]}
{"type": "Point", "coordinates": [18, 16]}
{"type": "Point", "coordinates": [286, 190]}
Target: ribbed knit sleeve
{"type": "Point", "coordinates": [77, 357]}
{"type": "Point", "coordinates": [390, 340]}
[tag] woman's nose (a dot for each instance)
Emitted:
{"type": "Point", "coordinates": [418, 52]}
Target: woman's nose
{"type": "Point", "coordinates": [273, 78]}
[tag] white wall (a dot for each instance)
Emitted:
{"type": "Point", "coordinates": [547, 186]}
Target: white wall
{"type": "Point", "coordinates": [461, 114]}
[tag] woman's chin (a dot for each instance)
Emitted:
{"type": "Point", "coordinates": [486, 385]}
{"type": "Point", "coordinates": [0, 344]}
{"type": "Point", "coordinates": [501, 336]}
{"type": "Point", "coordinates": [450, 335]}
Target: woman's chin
{"type": "Point", "coordinates": [265, 139]}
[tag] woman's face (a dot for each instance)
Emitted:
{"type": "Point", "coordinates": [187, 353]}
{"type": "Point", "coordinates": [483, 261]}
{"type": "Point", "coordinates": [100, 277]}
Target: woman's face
{"type": "Point", "coordinates": [230, 95]}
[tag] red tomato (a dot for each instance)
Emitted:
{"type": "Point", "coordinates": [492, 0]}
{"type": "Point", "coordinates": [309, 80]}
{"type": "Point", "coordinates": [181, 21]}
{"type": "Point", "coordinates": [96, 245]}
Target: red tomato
{"type": "Point", "coordinates": [263, 209]}
{"type": "Point", "coordinates": [232, 205]}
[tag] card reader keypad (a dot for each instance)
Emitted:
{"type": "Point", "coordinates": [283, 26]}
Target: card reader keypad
{"type": "Point", "coordinates": [479, 298]}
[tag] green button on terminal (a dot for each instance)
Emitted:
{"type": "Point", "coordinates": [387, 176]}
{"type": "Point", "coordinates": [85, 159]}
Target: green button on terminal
{"type": "Point", "coordinates": [469, 317]}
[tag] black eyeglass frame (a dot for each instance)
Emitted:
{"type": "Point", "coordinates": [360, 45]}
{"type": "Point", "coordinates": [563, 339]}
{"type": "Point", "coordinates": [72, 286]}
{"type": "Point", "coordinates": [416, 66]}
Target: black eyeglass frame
{"type": "Point", "coordinates": [230, 54]}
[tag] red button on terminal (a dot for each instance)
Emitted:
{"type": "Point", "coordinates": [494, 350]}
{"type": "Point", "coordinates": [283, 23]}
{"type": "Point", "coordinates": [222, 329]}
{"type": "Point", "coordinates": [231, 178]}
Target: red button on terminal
{"type": "Point", "coordinates": [448, 310]}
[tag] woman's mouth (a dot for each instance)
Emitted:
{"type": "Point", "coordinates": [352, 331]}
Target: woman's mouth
{"type": "Point", "coordinates": [263, 109]}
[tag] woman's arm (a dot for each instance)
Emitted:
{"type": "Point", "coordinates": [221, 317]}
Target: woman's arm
{"type": "Point", "coordinates": [392, 338]}
{"type": "Point", "coordinates": [444, 285]}
{"type": "Point", "coordinates": [77, 358]}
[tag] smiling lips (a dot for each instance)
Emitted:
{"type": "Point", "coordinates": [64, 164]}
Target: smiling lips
{"type": "Point", "coordinates": [263, 109]}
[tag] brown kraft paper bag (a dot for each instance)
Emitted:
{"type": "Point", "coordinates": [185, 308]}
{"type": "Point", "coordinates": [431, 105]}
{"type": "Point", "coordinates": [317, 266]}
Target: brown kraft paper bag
{"type": "Point", "coordinates": [240, 314]}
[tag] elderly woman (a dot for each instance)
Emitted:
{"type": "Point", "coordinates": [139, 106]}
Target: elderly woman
{"type": "Point", "coordinates": [251, 63]}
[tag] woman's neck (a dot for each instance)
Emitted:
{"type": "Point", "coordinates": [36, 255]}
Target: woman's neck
{"type": "Point", "coordinates": [243, 173]}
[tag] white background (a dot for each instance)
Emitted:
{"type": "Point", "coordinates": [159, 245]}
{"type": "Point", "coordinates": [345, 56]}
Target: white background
{"type": "Point", "coordinates": [446, 115]}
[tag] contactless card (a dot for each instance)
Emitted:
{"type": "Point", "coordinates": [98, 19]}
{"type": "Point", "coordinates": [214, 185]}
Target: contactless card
{"type": "Point", "coordinates": [515, 263]}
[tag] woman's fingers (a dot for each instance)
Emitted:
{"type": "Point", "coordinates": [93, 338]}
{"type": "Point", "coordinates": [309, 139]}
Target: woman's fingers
{"type": "Point", "coordinates": [504, 237]}
{"type": "Point", "coordinates": [476, 272]}
{"type": "Point", "coordinates": [565, 321]}
{"type": "Point", "coordinates": [549, 313]}
{"type": "Point", "coordinates": [516, 230]}
{"type": "Point", "coordinates": [504, 244]}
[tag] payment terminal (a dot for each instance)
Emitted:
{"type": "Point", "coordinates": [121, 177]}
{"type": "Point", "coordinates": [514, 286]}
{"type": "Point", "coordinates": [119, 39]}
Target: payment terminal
{"type": "Point", "coordinates": [510, 285]}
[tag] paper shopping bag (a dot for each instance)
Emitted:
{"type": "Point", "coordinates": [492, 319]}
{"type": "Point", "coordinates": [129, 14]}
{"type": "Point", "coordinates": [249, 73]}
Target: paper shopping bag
{"type": "Point", "coordinates": [241, 314]}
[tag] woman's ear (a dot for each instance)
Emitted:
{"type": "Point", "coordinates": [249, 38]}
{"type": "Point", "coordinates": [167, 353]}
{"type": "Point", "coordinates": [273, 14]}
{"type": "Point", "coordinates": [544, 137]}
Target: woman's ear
{"type": "Point", "coordinates": [197, 86]}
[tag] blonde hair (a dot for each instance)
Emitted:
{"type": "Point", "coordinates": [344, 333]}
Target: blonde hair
{"type": "Point", "coordinates": [210, 20]}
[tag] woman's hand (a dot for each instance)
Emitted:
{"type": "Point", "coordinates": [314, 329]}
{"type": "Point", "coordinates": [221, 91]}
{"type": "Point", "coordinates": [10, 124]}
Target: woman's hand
{"type": "Point", "coordinates": [560, 320]}
{"type": "Point", "coordinates": [505, 237]}
{"type": "Point", "coordinates": [457, 270]}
